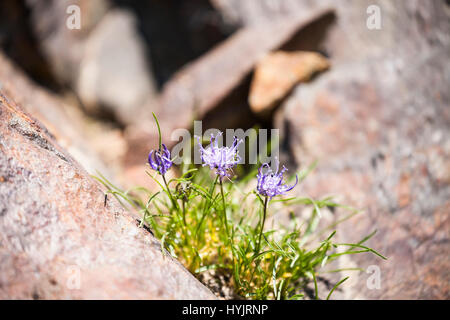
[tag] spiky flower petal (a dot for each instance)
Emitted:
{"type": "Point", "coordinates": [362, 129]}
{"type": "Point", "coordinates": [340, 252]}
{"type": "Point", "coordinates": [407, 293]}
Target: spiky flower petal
{"type": "Point", "coordinates": [223, 159]}
{"type": "Point", "coordinates": [270, 184]}
{"type": "Point", "coordinates": [159, 160]}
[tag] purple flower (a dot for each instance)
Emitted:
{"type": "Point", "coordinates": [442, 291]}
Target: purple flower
{"type": "Point", "coordinates": [160, 160]}
{"type": "Point", "coordinates": [220, 158]}
{"type": "Point", "coordinates": [270, 184]}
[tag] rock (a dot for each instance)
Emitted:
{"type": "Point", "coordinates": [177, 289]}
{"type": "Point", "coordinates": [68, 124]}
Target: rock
{"type": "Point", "coordinates": [62, 47]}
{"type": "Point", "coordinates": [177, 32]}
{"type": "Point", "coordinates": [113, 70]}
{"type": "Point", "coordinates": [17, 42]}
{"type": "Point", "coordinates": [378, 124]}
{"type": "Point", "coordinates": [58, 237]}
{"type": "Point", "coordinates": [254, 12]}
{"type": "Point", "coordinates": [204, 83]}
{"type": "Point", "coordinates": [65, 122]}
{"type": "Point", "coordinates": [211, 87]}
{"type": "Point", "coordinates": [103, 62]}
{"type": "Point", "coordinates": [277, 73]}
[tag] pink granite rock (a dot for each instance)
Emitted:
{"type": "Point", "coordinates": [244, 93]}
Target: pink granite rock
{"type": "Point", "coordinates": [58, 237]}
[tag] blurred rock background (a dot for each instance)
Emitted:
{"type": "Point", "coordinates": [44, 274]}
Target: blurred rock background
{"type": "Point", "coordinates": [372, 106]}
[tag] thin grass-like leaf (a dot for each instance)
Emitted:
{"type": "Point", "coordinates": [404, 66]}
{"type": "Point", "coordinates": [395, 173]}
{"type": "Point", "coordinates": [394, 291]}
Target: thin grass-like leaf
{"type": "Point", "coordinates": [335, 287]}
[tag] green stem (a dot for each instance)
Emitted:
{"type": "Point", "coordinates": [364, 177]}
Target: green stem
{"type": "Point", "coordinates": [184, 212]}
{"type": "Point", "coordinates": [224, 210]}
{"type": "Point", "coordinates": [258, 246]}
{"type": "Point", "coordinates": [262, 225]}
{"type": "Point", "coordinates": [143, 219]}
{"type": "Point", "coordinates": [206, 208]}
{"type": "Point", "coordinates": [174, 203]}
{"type": "Point", "coordinates": [229, 236]}
{"type": "Point", "coordinates": [159, 130]}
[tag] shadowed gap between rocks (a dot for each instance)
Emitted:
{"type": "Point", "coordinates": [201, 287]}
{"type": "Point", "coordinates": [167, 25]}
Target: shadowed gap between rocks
{"type": "Point", "coordinates": [176, 32]}
{"type": "Point", "coordinates": [312, 37]}
{"type": "Point", "coordinates": [223, 116]}
{"type": "Point", "coordinates": [20, 45]}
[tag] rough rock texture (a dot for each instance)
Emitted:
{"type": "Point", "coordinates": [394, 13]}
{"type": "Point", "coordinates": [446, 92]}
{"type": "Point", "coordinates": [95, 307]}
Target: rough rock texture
{"type": "Point", "coordinates": [58, 238]}
{"type": "Point", "coordinates": [378, 122]}
{"type": "Point", "coordinates": [277, 73]}
{"type": "Point", "coordinates": [66, 123]}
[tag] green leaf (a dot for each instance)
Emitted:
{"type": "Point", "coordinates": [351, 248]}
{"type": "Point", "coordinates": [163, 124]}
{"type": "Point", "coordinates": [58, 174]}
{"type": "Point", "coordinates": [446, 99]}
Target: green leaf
{"type": "Point", "coordinates": [366, 249]}
{"type": "Point", "coordinates": [316, 291]}
{"type": "Point", "coordinates": [159, 130]}
{"type": "Point", "coordinates": [335, 286]}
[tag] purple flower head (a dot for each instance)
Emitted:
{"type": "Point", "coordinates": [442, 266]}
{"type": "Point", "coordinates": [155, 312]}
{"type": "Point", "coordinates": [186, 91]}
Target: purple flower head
{"type": "Point", "coordinates": [220, 158]}
{"type": "Point", "coordinates": [270, 184]}
{"type": "Point", "coordinates": [159, 160]}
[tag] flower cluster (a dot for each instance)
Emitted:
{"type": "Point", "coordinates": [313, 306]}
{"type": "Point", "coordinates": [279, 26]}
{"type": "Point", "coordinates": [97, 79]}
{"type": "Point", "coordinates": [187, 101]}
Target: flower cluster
{"type": "Point", "coordinates": [223, 159]}
{"type": "Point", "coordinates": [190, 216]}
{"type": "Point", "coordinates": [270, 184]}
{"type": "Point", "coordinates": [159, 160]}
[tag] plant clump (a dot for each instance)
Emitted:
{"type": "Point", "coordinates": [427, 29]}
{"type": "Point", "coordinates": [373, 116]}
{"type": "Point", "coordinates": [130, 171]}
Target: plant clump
{"type": "Point", "coordinates": [217, 229]}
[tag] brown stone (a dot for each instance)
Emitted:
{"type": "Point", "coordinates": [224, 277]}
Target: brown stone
{"type": "Point", "coordinates": [58, 238]}
{"type": "Point", "coordinates": [277, 73]}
